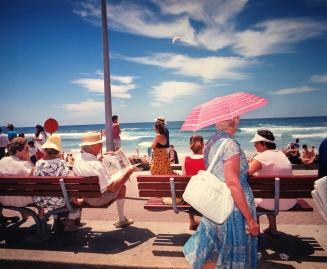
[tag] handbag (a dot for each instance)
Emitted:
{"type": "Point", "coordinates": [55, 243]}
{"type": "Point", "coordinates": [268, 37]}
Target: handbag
{"type": "Point", "coordinates": [210, 195]}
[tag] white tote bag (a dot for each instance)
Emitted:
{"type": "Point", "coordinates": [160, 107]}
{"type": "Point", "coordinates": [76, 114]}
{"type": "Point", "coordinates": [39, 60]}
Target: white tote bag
{"type": "Point", "coordinates": [210, 195]}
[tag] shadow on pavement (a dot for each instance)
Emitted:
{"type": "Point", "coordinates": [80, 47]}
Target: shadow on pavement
{"type": "Point", "coordinates": [84, 240]}
{"type": "Point", "coordinates": [291, 248]}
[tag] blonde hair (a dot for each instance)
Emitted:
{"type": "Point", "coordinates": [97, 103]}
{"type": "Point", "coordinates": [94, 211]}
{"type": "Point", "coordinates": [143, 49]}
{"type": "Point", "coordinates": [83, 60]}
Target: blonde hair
{"type": "Point", "coordinates": [229, 124]}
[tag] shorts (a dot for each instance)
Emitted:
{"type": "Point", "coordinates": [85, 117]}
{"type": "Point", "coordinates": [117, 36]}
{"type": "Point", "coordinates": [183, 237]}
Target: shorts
{"type": "Point", "coordinates": [104, 199]}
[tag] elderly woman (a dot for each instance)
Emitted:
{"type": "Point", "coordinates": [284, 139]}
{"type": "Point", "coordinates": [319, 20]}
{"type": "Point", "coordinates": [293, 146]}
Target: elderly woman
{"type": "Point", "coordinates": [232, 244]}
{"type": "Point", "coordinates": [53, 165]}
{"type": "Point", "coordinates": [16, 164]}
{"type": "Point", "coordinates": [270, 162]}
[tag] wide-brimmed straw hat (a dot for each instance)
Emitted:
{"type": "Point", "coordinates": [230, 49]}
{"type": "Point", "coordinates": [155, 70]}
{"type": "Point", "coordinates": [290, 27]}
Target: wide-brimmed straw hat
{"type": "Point", "coordinates": [259, 138]}
{"type": "Point", "coordinates": [91, 138]}
{"type": "Point", "coordinates": [53, 142]}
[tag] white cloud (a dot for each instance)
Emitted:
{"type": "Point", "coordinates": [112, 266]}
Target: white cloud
{"type": "Point", "coordinates": [319, 79]}
{"type": "Point", "coordinates": [207, 68]}
{"type": "Point", "coordinates": [217, 20]}
{"type": "Point", "coordinates": [276, 36]}
{"type": "Point", "coordinates": [88, 107]}
{"type": "Point", "coordinates": [298, 90]}
{"type": "Point", "coordinates": [169, 91]}
{"type": "Point", "coordinates": [96, 85]}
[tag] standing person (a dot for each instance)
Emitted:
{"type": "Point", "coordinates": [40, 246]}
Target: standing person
{"type": "Point", "coordinates": [53, 165]}
{"type": "Point", "coordinates": [192, 165]}
{"type": "Point", "coordinates": [3, 144]}
{"type": "Point", "coordinates": [234, 243]}
{"type": "Point", "coordinates": [116, 131]}
{"type": "Point", "coordinates": [270, 162]}
{"type": "Point", "coordinates": [160, 160]}
{"type": "Point", "coordinates": [87, 164]}
{"type": "Point", "coordinates": [11, 132]}
{"type": "Point", "coordinates": [39, 140]}
{"type": "Point", "coordinates": [16, 164]}
{"type": "Point", "coordinates": [166, 132]}
{"type": "Point", "coordinates": [173, 156]}
{"type": "Point", "coordinates": [322, 159]}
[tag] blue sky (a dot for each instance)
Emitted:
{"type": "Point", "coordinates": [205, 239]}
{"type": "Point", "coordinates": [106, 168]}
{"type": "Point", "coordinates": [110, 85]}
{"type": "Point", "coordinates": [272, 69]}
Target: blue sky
{"type": "Point", "coordinates": [51, 58]}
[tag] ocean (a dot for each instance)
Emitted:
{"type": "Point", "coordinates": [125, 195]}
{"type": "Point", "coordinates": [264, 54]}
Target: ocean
{"type": "Point", "coordinates": [310, 131]}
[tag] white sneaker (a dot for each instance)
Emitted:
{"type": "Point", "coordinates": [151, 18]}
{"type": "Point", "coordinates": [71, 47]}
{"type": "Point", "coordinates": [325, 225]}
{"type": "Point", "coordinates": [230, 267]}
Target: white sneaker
{"type": "Point", "coordinates": [124, 223]}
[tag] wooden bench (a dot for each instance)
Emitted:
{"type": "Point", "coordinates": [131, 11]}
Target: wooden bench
{"type": "Point", "coordinates": [157, 187]}
{"type": "Point", "coordinates": [66, 187]}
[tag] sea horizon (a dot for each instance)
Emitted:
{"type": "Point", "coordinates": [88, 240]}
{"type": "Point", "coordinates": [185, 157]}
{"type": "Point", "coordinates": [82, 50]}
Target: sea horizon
{"type": "Point", "coordinates": [310, 131]}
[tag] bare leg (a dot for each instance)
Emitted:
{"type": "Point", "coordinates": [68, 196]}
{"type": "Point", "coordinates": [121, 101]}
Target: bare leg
{"type": "Point", "coordinates": [193, 223]}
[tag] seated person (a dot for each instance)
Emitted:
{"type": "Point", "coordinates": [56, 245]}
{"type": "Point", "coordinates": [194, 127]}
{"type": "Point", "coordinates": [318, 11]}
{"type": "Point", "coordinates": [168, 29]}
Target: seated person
{"type": "Point", "coordinates": [270, 162]}
{"type": "Point", "coordinates": [293, 154]}
{"type": "Point", "coordinates": [89, 163]}
{"type": "Point", "coordinates": [16, 164]}
{"type": "Point", "coordinates": [173, 157]}
{"type": "Point", "coordinates": [192, 165]}
{"type": "Point", "coordinates": [53, 165]}
{"type": "Point", "coordinates": [307, 157]}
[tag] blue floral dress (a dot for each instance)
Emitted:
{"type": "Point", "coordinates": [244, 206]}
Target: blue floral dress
{"type": "Point", "coordinates": [227, 244]}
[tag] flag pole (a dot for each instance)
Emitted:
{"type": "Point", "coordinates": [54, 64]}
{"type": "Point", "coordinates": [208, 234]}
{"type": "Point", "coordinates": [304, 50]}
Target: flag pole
{"type": "Point", "coordinates": [106, 75]}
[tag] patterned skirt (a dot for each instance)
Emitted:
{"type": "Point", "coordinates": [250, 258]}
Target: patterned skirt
{"type": "Point", "coordinates": [160, 162]}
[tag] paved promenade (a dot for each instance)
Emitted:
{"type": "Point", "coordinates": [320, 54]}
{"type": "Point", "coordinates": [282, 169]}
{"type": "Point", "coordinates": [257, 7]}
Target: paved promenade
{"type": "Point", "coordinates": [155, 241]}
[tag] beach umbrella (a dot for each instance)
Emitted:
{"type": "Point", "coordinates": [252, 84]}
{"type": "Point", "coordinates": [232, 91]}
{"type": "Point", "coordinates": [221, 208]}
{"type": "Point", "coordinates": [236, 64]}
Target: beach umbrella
{"type": "Point", "coordinates": [221, 108]}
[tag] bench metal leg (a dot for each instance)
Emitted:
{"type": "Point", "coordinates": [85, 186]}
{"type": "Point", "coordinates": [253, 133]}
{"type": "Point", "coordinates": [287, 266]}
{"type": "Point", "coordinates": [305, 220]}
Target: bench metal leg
{"type": "Point", "coordinates": [173, 194]}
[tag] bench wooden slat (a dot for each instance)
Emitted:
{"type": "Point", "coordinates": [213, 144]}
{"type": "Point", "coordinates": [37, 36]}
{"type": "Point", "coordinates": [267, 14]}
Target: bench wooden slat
{"type": "Point", "coordinates": [47, 187]}
{"type": "Point", "coordinates": [156, 204]}
{"type": "Point", "coordinates": [161, 186]}
{"type": "Point", "coordinates": [148, 178]}
{"type": "Point", "coordinates": [84, 194]}
{"type": "Point", "coordinates": [155, 193]}
{"type": "Point", "coordinates": [45, 180]}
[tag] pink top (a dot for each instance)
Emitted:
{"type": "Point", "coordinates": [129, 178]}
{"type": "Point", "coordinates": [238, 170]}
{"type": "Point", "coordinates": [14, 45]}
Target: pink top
{"type": "Point", "coordinates": [274, 163]}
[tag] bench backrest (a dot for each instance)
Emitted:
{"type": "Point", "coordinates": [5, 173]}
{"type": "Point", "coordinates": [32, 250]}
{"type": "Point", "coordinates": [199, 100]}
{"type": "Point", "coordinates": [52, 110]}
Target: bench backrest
{"type": "Point", "coordinates": [76, 186]}
{"type": "Point", "coordinates": [262, 187]}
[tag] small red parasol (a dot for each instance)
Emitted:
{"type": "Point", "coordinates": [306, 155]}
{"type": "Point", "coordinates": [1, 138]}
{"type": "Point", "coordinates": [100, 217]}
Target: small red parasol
{"type": "Point", "coordinates": [51, 125]}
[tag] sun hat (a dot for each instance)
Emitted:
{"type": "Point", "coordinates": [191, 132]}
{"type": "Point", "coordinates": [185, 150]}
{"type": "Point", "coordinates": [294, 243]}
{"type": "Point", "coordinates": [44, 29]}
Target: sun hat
{"type": "Point", "coordinates": [161, 119]}
{"type": "Point", "coordinates": [259, 138]}
{"type": "Point", "coordinates": [91, 138]}
{"type": "Point", "coordinates": [53, 142]}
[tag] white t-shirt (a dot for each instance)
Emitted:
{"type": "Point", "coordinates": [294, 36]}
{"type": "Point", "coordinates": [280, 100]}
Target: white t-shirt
{"type": "Point", "coordinates": [13, 166]}
{"type": "Point", "coordinates": [274, 163]}
{"type": "Point", "coordinates": [88, 165]}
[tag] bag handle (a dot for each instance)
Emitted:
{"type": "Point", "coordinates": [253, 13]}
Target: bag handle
{"type": "Point", "coordinates": [216, 155]}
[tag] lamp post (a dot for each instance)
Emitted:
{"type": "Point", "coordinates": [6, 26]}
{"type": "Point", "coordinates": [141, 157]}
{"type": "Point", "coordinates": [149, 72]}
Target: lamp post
{"type": "Point", "coordinates": [106, 75]}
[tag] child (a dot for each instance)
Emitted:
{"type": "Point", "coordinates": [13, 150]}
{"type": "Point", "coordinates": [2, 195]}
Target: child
{"type": "Point", "coordinates": [32, 151]}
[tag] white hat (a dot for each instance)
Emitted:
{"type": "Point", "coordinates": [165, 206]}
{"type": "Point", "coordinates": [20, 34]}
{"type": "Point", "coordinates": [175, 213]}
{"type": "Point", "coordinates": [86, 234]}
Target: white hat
{"type": "Point", "coordinates": [91, 138]}
{"type": "Point", "coordinates": [259, 138]}
{"type": "Point", "coordinates": [161, 119]}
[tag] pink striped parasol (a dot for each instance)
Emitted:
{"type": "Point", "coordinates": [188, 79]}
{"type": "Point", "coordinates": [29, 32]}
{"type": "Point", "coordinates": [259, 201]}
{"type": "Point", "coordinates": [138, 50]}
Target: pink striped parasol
{"type": "Point", "coordinates": [220, 109]}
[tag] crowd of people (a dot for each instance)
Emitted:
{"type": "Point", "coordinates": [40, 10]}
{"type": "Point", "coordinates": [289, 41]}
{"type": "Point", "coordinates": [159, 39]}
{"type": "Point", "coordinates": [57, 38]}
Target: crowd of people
{"type": "Point", "coordinates": [234, 242]}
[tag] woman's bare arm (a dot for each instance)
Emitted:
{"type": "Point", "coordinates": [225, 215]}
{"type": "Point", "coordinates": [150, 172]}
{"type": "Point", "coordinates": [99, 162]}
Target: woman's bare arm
{"type": "Point", "coordinates": [254, 166]}
{"type": "Point", "coordinates": [232, 173]}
